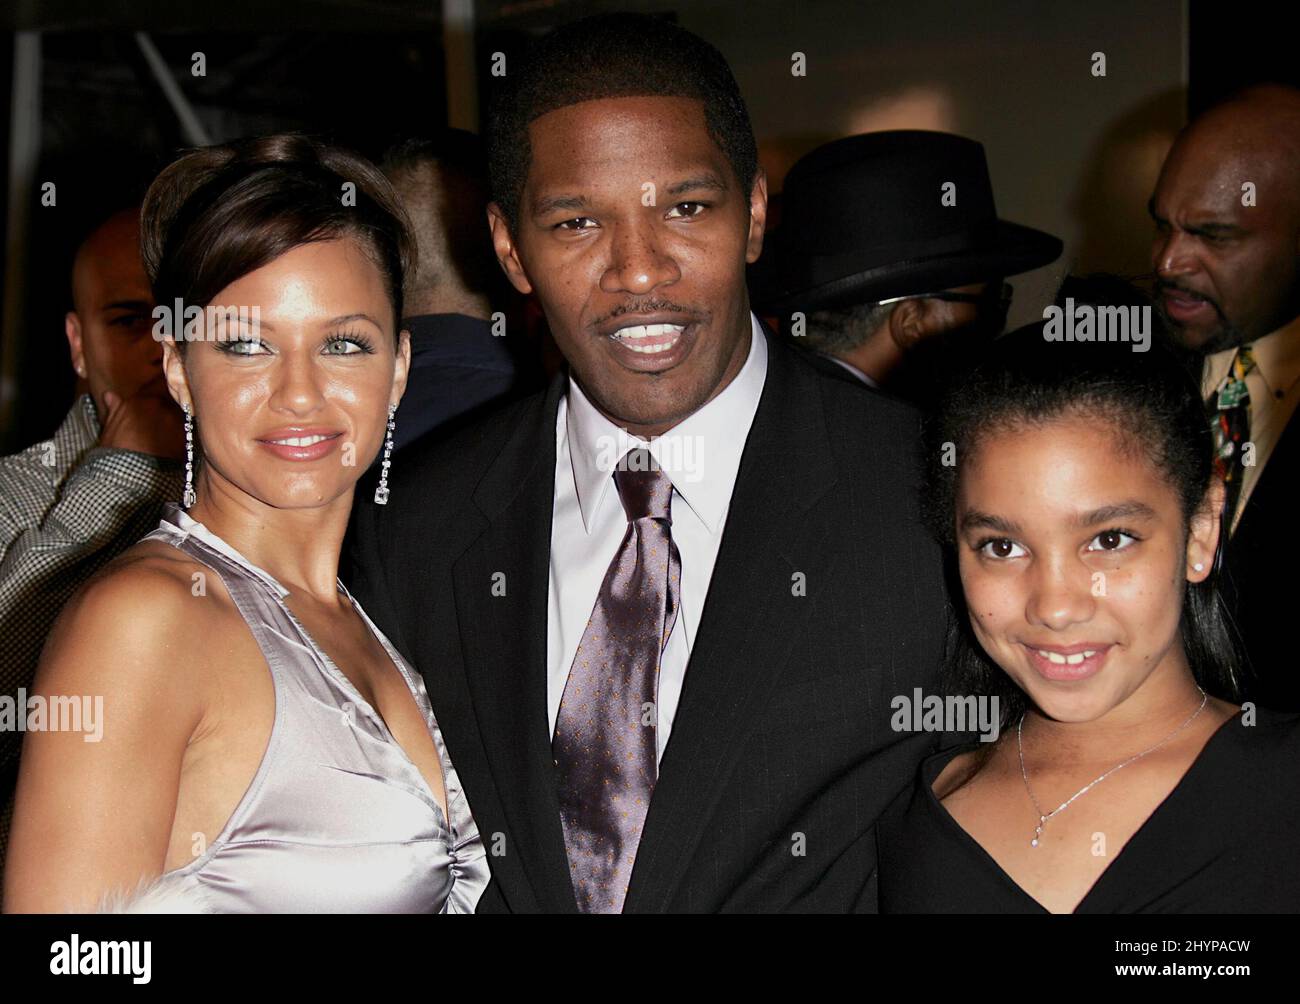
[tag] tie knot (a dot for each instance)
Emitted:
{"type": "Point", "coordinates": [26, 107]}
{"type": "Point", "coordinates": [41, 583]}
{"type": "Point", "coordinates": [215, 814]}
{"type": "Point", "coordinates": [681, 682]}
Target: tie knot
{"type": "Point", "coordinates": [643, 488]}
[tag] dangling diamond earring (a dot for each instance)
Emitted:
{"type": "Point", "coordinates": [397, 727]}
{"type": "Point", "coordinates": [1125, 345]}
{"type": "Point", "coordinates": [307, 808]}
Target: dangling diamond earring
{"type": "Point", "coordinates": [381, 490]}
{"type": "Point", "coordinates": [189, 497]}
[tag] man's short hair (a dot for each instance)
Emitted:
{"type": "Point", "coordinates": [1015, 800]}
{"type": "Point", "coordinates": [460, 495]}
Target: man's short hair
{"type": "Point", "coordinates": [614, 56]}
{"type": "Point", "coordinates": [457, 151]}
{"type": "Point", "coordinates": [842, 329]}
{"type": "Point", "coordinates": [450, 232]}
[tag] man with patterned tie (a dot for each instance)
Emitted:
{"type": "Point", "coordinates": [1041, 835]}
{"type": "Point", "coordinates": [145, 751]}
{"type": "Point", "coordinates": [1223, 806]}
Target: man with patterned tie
{"type": "Point", "coordinates": [1227, 259]}
{"type": "Point", "coordinates": [627, 746]}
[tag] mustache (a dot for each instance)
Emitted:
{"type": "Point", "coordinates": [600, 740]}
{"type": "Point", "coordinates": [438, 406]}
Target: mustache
{"type": "Point", "coordinates": [1167, 285]}
{"type": "Point", "coordinates": [653, 306]}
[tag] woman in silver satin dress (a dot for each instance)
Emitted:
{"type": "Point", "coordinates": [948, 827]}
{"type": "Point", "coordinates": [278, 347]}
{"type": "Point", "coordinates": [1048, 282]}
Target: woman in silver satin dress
{"type": "Point", "coordinates": [264, 747]}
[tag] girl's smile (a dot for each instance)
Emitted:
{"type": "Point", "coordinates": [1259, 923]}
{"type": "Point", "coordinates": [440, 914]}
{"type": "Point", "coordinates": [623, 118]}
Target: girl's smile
{"type": "Point", "coordinates": [1073, 557]}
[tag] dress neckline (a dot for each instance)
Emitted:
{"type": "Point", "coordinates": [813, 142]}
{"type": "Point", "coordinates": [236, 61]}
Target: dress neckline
{"type": "Point", "coordinates": [186, 523]}
{"type": "Point", "coordinates": [183, 521]}
{"type": "Point", "coordinates": [935, 764]}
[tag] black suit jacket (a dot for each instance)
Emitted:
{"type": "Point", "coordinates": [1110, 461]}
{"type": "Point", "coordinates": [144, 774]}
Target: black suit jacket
{"type": "Point", "coordinates": [826, 602]}
{"type": "Point", "coordinates": [1261, 561]}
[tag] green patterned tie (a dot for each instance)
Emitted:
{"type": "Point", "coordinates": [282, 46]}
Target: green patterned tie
{"type": "Point", "coordinates": [1230, 421]}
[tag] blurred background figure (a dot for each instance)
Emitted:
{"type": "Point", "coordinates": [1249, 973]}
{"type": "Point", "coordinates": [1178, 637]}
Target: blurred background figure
{"type": "Point", "coordinates": [74, 501]}
{"type": "Point", "coordinates": [1227, 263]}
{"type": "Point", "coordinates": [117, 360]}
{"type": "Point", "coordinates": [461, 359]}
{"type": "Point", "coordinates": [891, 248]}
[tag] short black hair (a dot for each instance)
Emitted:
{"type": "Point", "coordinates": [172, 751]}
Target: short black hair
{"type": "Point", "coordinates": [457, 150]}
{"type": "Point", "coordinates": [613, 56]}
{"type": "Point", "coordinates": [442, 181]}
{"type": "Point", "coordinates": [1025, 380]}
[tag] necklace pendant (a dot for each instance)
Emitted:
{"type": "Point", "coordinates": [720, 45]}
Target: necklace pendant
{"type": "Point", "coordinates": [1042, 818]}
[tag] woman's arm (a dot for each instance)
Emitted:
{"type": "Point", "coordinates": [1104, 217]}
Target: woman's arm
{"type": "Point", "coordinates": [94, 808]}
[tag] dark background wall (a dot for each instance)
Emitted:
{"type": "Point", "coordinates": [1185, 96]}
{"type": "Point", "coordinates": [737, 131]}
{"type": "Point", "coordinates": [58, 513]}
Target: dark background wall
{"type": "Point", "coordinates": [1069, 152]}
{"type": "Point", "coordinates": [106, 129]}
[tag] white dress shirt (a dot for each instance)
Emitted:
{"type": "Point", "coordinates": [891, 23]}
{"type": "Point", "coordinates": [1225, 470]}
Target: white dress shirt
{"type": "Point", "coordinates": [701, 455]}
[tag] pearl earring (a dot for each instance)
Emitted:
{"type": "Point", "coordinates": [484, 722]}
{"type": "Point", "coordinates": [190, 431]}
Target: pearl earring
{"type": "Point", "coordinates": [1199, 566]}
{"type": "Point", "coordinates": [189, 498]}
{"type": "Point", "coordinates": [381, 490]}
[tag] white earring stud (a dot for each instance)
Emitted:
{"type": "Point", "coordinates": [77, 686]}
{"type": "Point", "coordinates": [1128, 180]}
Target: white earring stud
{"type": "Point", "coordinates": [1199, 566]}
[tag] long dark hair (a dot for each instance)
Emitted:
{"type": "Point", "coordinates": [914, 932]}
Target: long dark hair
{"type": "Point", "coordinates": [1026, 380]}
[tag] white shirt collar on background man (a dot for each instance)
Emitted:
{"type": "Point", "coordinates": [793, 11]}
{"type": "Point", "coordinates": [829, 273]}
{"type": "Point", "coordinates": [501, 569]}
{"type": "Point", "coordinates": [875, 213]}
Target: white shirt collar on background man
{"type": "Point", "coordinates": [701, 455]}
{"type": "Point", "coordinates": [859, 374]}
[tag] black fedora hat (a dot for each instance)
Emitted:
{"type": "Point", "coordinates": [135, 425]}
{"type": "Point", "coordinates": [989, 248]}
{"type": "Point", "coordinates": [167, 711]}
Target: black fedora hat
{"type": "Point", "coordinates": [887, 214]}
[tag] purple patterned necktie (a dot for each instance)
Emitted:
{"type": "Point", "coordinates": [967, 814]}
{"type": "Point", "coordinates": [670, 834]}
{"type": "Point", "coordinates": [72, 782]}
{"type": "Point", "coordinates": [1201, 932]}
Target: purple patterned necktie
{"type": "Point", "coordinates": [604, 746]}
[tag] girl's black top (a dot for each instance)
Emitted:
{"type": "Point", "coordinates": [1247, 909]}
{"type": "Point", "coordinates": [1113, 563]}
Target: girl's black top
{"type": "Point", "coordinates": [1226, 839]}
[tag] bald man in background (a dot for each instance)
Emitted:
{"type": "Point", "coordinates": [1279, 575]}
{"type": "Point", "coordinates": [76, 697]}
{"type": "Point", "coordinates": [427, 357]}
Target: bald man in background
{"type": "Point", "coordinates": [74, 501]}
{"type": "Point", "coordinates": [461, 360]}
{"type": "Point", "coordinates": [1227, 262]}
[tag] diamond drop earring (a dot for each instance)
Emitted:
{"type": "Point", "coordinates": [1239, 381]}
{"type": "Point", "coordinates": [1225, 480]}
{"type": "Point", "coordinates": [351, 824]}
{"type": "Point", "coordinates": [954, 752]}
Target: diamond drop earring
{"type": "Point", "coordinates": [381, 490]}
{"type": "Point", "coordinates": [189, 498]}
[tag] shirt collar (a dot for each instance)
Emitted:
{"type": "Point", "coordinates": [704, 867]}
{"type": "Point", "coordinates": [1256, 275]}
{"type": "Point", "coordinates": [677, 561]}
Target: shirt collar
{"type": "Point", "coordinates": [78, 433]}
{"type": "Point", "coordinates": [853, 369]}
{"type": "Point", "coordinates": [85, 419]}
{"type": "Point", "coordinates": [1276, 355]}
{"type": "Point", "coordinates": [701, 454]}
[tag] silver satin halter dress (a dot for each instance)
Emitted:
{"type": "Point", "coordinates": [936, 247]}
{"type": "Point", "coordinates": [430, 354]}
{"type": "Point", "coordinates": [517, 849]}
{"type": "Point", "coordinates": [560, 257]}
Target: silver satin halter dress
{"type": "Point", "coordinates": [337, 818]}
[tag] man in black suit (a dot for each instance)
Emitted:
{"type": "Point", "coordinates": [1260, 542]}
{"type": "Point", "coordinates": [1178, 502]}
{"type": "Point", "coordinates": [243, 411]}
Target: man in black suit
{"type": "Point", "coordinates": [1227, 260]}
{"type": "Point", "coordinates": [623, 744]}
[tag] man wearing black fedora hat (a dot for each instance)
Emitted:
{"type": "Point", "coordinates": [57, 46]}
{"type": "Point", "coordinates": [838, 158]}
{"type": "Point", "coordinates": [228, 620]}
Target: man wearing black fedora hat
{"type": "Point", "coordinates": [890, 259]}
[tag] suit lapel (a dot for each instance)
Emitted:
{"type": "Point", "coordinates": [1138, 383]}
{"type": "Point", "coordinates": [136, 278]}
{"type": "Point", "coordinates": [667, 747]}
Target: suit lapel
{"type": "Point", "coordinates": [503, 639]}
{"type": "Point", "coordinates": [751, 617]}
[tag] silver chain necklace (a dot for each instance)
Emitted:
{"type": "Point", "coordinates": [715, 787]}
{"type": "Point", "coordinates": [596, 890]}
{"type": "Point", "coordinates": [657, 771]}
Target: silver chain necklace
{"type": "Point", "coordinates": [1044, 817]}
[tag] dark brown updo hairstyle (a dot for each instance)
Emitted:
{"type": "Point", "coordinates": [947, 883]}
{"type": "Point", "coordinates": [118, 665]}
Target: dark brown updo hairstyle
{"type": "Point", "coordinates": [221, 212]}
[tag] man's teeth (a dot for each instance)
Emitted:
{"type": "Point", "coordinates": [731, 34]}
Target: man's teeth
{"type": "Point", "coordinates": [1066, 660]}
{"type": "Point", "coordinates": [300, 440]}
{"type": "Point", "coordinates": [629, 336]}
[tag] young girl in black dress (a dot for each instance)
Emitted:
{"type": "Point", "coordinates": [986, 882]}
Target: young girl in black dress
{"type": "Point", "coordinates": [1073, 485]}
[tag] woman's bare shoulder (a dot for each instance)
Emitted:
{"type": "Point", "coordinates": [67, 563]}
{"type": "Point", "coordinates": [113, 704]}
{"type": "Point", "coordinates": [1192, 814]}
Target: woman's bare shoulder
{"type": "Point", "coordinates": [148, 558]}
{"type": "Point", "coordinates": [145, 608]}
{"type": "Point", "coordinates": [167, 576]}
